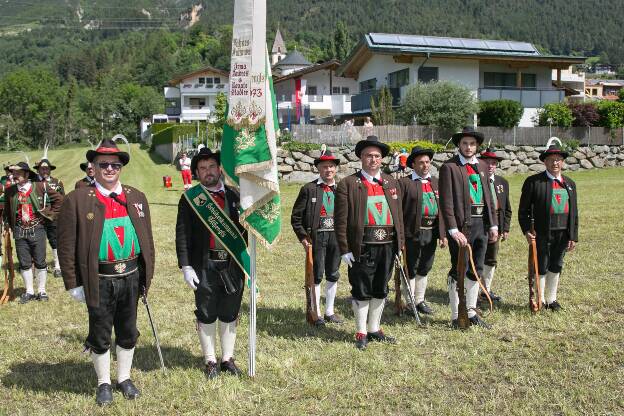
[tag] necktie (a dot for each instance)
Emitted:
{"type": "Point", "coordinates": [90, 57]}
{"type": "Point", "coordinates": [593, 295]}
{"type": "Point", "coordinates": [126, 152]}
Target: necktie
{"type": "Point", "coordinates": [116, 199]}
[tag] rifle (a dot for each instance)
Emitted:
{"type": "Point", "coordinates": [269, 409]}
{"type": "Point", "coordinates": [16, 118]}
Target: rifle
{"type": "Point", "coordinates": [398, 264]}
{"type": "Point", "coordinates": [312, 315]}
{"type": "Point", "coordinates": [533, 275]}
{"type": "Point", "coordinates": [9, 271]}
{"type": "Point", "coordinates": [462, 316]}
{"type": "Point", "coordinates": [149, 316]}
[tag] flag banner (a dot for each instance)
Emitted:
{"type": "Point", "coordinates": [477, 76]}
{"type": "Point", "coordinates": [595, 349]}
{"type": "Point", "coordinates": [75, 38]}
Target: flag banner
{"type": "Point", "coordinates": [248, 148]}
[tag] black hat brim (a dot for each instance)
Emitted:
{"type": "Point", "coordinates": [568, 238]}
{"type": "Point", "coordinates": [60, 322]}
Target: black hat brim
{"type": "Point", "coordinates": [317, 161]}
{"type": "Point", "coordinates": [37, 166]}
{"type": "Point", "coordinates": [362, 144]}
{"type": "Point", "coordinates": [412, 156]}
{"type": "Point", "coordinates": [563, 154]}
{"type": "Point", "coordinates": [458, 136]}
{"type": "Point", "coordinates": [124, 157]}
{"type": "Point", "coordinates": [202, 156]}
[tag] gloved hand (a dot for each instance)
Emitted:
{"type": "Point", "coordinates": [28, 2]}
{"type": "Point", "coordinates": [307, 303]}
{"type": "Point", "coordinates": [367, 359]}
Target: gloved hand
{"type": "Point", "coordinates": [190, 277]}
{"type": "Point", "coordinates": [78, 294]}
{"type": "Point", "coordinates": [348, 259]}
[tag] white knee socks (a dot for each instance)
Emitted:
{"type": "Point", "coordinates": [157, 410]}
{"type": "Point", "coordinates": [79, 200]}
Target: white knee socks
{"type": "Point", "coordinates": [488, 275]}
{"type": "Point", "coordinates": [207, 339]}
{"type": "Point", "coordinates": [411, 288]}
{"type": "Point", "coordinates": [42, 276]}
{"type": "Point", "coordinates": [57, 265]}
{"type": "Point", "coordinates": [124, 363]}
{"type": "Point", "coordinates": [330, 295]}
{"type": "Point", "coordinates": [101, 363]}
{"type": "Point", "coordinates": [360, 310]}
{"type": "Point", "coordinates": [317, 299]}
{"type": "Point", "coordinates": [542, 283]}
{"type": "Point", "coordinates": [227, 333]}
{"type": "Point", "coordinates": [374, 314]}
{"type": "Point", "coordinates": [420, 286]}
{"type": "Point", "coordinates": [453, 298]}
{"type": "Point", "coordinates": [27, 275]}
{"type": "Point", "coordinates": [552, 283]}
{"type": "Point", "coordinates": [472, 292]}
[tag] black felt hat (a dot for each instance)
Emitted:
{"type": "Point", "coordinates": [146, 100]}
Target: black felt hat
{"type": "Point", "coordinates": [108, 147]}
{"type": "Point", "coordinates": [23, 166]}
{"type": "Point", "coordinates": [470, 132]}
{"type": "Point", "coordinates": [44, 163]}
{"type": "Point", "coordinates": [327, 155]}
{"type": "Point", "coordinates": [205, 153]}
{"type": "Point", "coordinates": [417, 151]}
{"type": "Point", "coordinates": [553, 149]}
{"type": "Point", "coordinates": [371, 141]}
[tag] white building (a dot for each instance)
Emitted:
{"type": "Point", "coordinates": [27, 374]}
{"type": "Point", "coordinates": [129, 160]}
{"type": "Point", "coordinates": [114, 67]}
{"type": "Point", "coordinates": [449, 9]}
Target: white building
{"type": "Point", "coordinates": [490, 69]}
{"type": "Point", "coordinates": [192, 96]}
{"type": "Point", "coordinates": [313, 94]}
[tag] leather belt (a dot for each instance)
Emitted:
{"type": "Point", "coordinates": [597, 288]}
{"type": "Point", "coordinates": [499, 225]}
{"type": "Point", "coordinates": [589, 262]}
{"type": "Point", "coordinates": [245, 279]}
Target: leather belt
{"type": "Point", "coordinates": [427, 222]}
{"type": "Point", "coordinates": [476, 210]}
{"type": "Point", "coordinates": [378, 234]}
{"type": "Point", "coordinates": [121, 268]}
{"type": "Point", "coordinates": [326, 224]}
{"type": "Point", "coordinates": [218, 255]}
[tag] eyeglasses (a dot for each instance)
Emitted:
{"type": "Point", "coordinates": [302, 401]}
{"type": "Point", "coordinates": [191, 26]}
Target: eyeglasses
{"type": "Point", "coordinates": [113, 166]}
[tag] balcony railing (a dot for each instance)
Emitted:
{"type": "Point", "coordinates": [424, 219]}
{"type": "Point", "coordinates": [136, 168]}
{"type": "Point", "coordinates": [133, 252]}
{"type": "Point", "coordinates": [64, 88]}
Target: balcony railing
{"type": "Point", "coordinates": [361, 102]}
{"type": "Point", "coordinates": [528, 97]}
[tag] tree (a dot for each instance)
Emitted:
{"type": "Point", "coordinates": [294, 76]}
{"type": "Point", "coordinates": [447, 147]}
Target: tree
{"type": "Point", "coordinates": [621, 95]}
{"type": "Point", "coordinates": [442, 104]}
{"type": "Point", "coordinates": [341, 43]}
{"type": "Point", "coordinates": [611, 114]}
{"type": "Point", "coordinates": [382, 112]}
{"type": "Point", "coordinates": [585, 115]}
{"type": "Point", "coordinates": [556, 114]}
{"type": "Point", "coordinates": [500, 113]}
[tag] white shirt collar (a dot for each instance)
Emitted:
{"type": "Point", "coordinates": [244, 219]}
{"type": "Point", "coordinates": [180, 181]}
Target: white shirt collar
{"type": "Point", "coordinates": [118, 189]}
{"type": "Point", "coordinates": [219, 189]}
{"type": "Point", "coordinates": [492, 177]}
{"type": "Point", "coordinates": [552, 178]}
{"type": "Point", "coordinates": [90, 179]}
{"type": "Point", "coordinates": [463, 160]}
{"type": "Point", "coordinates": [416, 176]}
{"type": "Point", "coordinates": [369, 177]}
{"type": "Point", "coordinates": [24, 188]}
{"type": "Point", "coordinates": [321, 181]}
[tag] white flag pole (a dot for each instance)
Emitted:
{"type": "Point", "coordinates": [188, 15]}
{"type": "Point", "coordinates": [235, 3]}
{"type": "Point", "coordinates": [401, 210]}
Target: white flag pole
{"type": "Point", "coordinates": [252, 306]}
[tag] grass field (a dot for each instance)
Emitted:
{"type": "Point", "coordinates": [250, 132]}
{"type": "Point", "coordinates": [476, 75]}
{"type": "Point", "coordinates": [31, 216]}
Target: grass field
{"type": "Point", "coordinates": [552, 364]}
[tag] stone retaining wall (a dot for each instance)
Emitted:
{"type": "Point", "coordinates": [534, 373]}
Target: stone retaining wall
{"type": "Point", "coordinates": [299, 166]}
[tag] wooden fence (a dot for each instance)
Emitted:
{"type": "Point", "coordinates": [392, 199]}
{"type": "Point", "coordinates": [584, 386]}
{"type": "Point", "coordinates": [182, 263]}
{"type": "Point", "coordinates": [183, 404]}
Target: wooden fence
{"type": "Point", "coordinates": [530, 136]}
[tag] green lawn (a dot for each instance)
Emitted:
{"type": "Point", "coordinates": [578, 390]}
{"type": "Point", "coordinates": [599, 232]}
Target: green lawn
{"type": "Point", "coordinates": [566, 363]}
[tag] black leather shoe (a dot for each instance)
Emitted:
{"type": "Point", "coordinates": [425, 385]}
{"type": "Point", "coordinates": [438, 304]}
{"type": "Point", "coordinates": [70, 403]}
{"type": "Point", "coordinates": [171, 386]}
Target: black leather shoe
{"type": "Point", "coordinates": [379, 336]}
{"type": "Point", "coordinates": [104, 394]}
{"type": "Point", "coordinates": [361, 341]}
{"type": "Point", "coordinates": [554, 306]}
{"type": "Point", "coordinates": [319, 322]}
{"type": "Point", "coordinates": [211, 370]}
{"type": "Point", "coordinates": [57, 273]}
{"type": "Point", "coordinates": [333, 319]}
{"type": "Point", "coordinates": [230, 367]}
{"type": "Point", "coordinates": [476, 320]}
{"type": "Point", "coordinates": [493, 296]}
{"type": "Point", "coordinates": [423, 308]}
{"type": "Point", "coordinates": [128, 389]}
{"type": "Point", "coordinates": [43, 297]}
{"type": "Point", "coordinates": [27, 297]}
{"type": "Point", "coordinates": [455, 324]}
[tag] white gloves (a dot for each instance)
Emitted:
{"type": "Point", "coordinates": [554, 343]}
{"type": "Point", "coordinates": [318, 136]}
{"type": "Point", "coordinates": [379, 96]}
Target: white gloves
{"type": "Point", "coordinates": [190, 277]}
{"type": "Point", "coordinates": [348, 259]}
{"type": "Point", "coordinates": [78, 294]}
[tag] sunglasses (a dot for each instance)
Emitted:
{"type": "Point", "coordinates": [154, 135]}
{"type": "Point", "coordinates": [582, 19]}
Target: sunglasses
{"type": "Point", "coordinates": [113, 166]}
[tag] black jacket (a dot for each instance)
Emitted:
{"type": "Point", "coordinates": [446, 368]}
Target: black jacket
{"type": "Point", "coordinates": [411, 193]}
{"type": "Point", "coordinates": [192, 236]}
{"type": "Point", "coordinates": [501, 187]}
{"type": "Point", "coordinates": [307, 210]}
{"type": "Point", "coordinates": [536, 197]}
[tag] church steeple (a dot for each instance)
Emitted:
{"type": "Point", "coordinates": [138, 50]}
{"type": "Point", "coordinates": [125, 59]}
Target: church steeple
{"type": "Point", "coordinates": [278, 52]}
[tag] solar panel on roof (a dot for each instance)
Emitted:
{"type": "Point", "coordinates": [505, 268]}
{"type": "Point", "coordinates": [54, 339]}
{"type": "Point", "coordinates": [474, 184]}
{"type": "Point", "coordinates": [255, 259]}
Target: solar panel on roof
{"type": "Point", "coordinates": [412, 40]}
{"type": "Point", "coordinates": [456, 43]}
{"type": "Point", "coordinates": [473, 43]}
{"type": "Point", "coordinates": [522, 47]}
{"type": "Point", "coordinates": [438, 42]}
{"type": "Point", "coordinates": [384, 38]}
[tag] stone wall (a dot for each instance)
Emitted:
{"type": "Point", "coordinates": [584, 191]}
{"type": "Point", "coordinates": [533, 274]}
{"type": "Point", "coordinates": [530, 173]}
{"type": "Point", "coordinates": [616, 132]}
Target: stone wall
{"type": "Point", "coordinates": [299, 166]}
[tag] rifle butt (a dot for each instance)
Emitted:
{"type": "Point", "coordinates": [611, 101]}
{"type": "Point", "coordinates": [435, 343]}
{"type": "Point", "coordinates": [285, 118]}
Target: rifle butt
{"type": "Point", "coordinates": [310, 289]}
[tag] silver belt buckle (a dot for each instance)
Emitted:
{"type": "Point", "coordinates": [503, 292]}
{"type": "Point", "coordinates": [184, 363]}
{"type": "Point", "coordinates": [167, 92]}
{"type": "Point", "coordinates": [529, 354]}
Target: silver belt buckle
{"type": "Point", "coordinates": [222, 255]}
{"type": "Point", "coordinates": [120, 267]}
{"type": "Point", "coordinates": [327, 223]}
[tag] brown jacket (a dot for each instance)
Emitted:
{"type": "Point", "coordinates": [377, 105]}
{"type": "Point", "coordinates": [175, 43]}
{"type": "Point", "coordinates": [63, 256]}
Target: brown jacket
{"type": "Point", "coordinates": [411, 193]}
{"type": "Point", "coordinates": [350, 212]}
{"type": "Point", "coordinates": [455, 195]}
{"type": "Point", "coordinates": [82, 183]}
{"type": "Point", "coordinates": [53, 201]}
{"type": "Point", "coordinates": [80, 226]}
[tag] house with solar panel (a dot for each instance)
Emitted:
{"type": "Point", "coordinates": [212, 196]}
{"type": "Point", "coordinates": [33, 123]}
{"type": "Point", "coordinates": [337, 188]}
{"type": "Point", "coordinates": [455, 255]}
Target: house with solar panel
{"type": "Point", "coordinates": [490, 69]}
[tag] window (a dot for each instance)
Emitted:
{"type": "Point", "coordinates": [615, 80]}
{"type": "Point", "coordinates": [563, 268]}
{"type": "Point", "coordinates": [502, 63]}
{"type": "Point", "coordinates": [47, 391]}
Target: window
{"type": "Point", "coordinates": [427, 74]}
{"type": "Point", "coordinates": [507, 80]}
{"type": "Point", "coordinates": [197, 103]}
{"type": "Point", "coordinates": [335, 90]}
{"type": "Point", "coordinates": [368, 85]}
{"type": "Point", "coordinates": [399, 78]}
{"type": "Point", "coordinates": [311, 90]}
{"type": "Point", "coordinates": [202, 80]}
{"type": "Point", "coordinates": [345, 90]}
{"type": "Point", "coordinates": [217, 80]}
{"type": "Point", "coordinates": [208, 80]}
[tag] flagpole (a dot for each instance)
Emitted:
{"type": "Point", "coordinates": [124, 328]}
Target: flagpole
{"type": "Point", "coordinates": [252, 306]}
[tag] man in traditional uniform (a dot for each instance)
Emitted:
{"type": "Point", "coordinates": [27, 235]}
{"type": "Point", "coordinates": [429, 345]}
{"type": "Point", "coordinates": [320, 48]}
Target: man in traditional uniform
{"type": "Point", "coordinates": [89, 179]}
{"type": "Point", "coordinates": [28, 204]}
{"type": "Point", "coordinates": [44, 168]}
{"type": "Point", "coordinates": [469, 216]}
{"type": "Point", "coordinates": [185, 169]}
{"type": "Point", "coordinates": [208, 266]}
{"type": "Point", "coordinates": [549, 199]}
{"type": "Point", "coordinates": [499, 188]}
{"type": "Point", "coordinates": [312, 220]}
{"type": "Point", "coordinates": [422, 222]}
{"type": "Point", "coordinates": [106, 250]}
{"type": "Point", "coordinates": [369, 230]}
